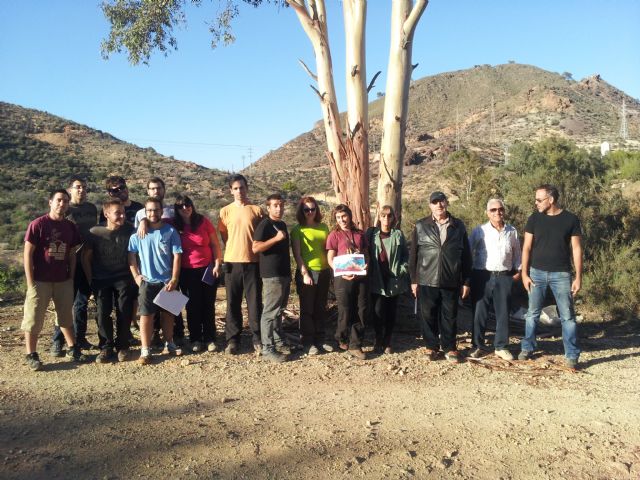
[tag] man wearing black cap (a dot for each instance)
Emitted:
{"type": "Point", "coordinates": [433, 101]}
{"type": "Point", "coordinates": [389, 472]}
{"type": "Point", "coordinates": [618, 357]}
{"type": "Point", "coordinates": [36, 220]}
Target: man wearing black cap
{"type": "Point", "coordinates": [440, 268]}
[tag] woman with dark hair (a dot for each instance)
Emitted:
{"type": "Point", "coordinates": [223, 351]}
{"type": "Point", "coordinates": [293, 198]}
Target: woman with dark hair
{"type": "Point", "coordinates": [201, 250]}
{"type": "Point", "coordinates": [388, 275]}
{"type": "Point", "coordinates": [350, 290]}
{"type": "Point", "coordinates": [313, 274]}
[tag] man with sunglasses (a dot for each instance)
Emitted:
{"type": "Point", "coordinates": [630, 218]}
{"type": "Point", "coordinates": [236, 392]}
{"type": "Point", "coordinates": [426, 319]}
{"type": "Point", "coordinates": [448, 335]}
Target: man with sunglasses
{"type": "Point", "coordinates": [552, 239]}
{"type": "Point", "coordinates": [440, 269]}
{"type": "Point", "coordinates": [496, 253]}
{"type": "Point", "coordinates": [116, 187]}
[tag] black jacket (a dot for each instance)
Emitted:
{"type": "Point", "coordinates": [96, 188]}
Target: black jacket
{"type": "Point", "coordinates": [435, 265]}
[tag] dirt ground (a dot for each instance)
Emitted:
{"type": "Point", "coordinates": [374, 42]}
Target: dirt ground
{"type": "Point", "coordinates": [394, 416]}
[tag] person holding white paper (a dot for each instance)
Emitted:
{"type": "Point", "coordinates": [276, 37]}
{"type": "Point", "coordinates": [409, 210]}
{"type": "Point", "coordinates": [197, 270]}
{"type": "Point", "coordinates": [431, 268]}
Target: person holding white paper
{"type": "Point", "coordinates": [159, 254]}
{"type": "Point", "coordinates": [351, 290]}
{"type": "Point", "coordinates": [200, 249]}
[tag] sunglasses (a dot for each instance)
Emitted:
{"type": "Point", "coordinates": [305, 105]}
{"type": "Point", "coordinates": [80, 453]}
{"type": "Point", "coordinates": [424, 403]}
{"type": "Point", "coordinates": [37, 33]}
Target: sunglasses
{"type": "Point", "coordinates": [115, 190]}
{"type": "Point", "coordinates": [183, 206]}
{"type": "Point", "coordinates": [494, 210]}
{"type": "Point", "coordinates": [308, 210]}
{"type": "Point", "coordinates": [540, 200]}
{"type": "Point", "coordinates": [435, 202]}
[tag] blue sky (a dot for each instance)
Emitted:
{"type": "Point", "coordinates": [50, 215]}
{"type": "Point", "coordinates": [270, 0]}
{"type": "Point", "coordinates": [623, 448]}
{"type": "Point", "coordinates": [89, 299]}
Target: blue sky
{"type": "Point", "coordinates": [220, 108]}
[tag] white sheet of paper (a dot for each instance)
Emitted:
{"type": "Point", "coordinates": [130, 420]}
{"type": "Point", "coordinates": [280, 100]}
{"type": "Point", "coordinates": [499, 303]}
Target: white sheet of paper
{"type": "Point", "coordinates": [173, 301]}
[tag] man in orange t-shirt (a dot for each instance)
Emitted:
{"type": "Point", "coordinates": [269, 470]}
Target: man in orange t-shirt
{"type": "Point", "coordinates": [237, 223]}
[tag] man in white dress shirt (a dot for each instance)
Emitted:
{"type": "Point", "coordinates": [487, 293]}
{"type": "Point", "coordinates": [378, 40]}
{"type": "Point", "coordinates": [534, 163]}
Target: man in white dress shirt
{"type": "Point", "coordinates": [497, 256]}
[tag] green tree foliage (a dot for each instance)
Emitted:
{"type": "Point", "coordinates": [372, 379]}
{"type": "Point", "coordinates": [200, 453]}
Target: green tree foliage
{"type": "Point", "coordinates": [142, 27]}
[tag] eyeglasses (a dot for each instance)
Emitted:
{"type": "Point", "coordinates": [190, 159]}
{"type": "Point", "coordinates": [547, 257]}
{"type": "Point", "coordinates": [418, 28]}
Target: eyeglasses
{"type": "Point", "coordinates": [184, 206]}
{"type": "Point", "coordinates": [540, 200]}
{"type": "Point", "coordinates": [116, 190]}
{"type": "Point", "coordinates": [309, 210]}
{"type": "Point", "coordinates": [494, 210]}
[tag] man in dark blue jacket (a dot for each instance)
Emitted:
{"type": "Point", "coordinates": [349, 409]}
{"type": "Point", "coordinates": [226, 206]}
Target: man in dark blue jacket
{"type": "Point", "coordinates": [440, 268]}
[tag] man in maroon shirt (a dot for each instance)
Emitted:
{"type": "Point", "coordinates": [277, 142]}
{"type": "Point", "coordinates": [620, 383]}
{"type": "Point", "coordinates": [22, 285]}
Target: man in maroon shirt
{"type": "Point", "coordinates": [50, 246]}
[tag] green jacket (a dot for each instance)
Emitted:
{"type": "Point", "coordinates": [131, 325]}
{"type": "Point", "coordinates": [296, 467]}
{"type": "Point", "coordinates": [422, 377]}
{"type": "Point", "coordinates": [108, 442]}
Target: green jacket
{"type": "Point", "coordinates": [398, 255]}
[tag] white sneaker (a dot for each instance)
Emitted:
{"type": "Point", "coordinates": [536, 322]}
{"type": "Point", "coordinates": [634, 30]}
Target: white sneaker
{"type": "Point", "coordinates": [212, 347]}
{"type": "Point", "coordinates": [504, 354]}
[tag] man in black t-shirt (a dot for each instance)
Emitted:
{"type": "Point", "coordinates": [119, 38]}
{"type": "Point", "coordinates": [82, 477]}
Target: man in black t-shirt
{"type": "Point", "coordinates": [552, 239]}
{"type": "Point", "coordinates": [271, 241]}
{"type": "Point", "coordinates": [105, 262]}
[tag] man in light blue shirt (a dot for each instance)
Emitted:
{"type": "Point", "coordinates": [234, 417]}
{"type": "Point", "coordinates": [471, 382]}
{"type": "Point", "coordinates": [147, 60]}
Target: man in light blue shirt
{"type": "Point", "coordinates": [496, 254]}
{"type": "Point", "coordinates": [155, 265]}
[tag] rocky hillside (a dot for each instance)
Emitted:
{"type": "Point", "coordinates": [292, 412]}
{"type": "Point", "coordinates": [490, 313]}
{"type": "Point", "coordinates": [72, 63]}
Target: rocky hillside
{"type": "Point", "coordinates": [484, 109]}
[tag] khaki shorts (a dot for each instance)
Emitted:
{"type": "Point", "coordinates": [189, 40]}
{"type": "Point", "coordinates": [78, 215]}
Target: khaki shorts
{"type": "Point", "coordinates": [37, 301]}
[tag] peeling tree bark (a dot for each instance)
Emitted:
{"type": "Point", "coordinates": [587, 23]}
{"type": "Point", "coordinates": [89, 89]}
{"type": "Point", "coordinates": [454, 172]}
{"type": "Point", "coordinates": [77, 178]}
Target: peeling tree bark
{"type": "Point", "coordinates": [404, 18]}
{"type": "Point", "coordinates": [348, 158]}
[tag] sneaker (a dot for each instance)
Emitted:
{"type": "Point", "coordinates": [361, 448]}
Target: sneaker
{"type": "Point", "coordinates": [476, 353]}
{"type": "Point", "coordinates": [343, 346]}
{"type": "Point", "coordinates": [171, 348]}
{"type": "Point", "coordinates": [273, 356]}
{"type": "Point", "coordinates": [524, 355]}
{"type": "Point", "coordinates": [104, 356]}
{"type": "Point", "coordinates": [571, 362]}
{"type": "Point", "coordinates": [123, 355]}
{"type": "Point", "coordinates": [232, 348]}
{"type": "Point", "coordinates": [284, 349]}
{"type": "Point", "coordinates": [197, 347]}
{"type": "Point", "coordinates": [75, 354]}
{"type": "Point", "coordinates": [431, 355]}
{"type": "Point", "coordinates": [312, 350]}
{"type": "Point", "coordinates": [452, 356]}
{"type": "Point", "coordinates": [357, 353]}
{"type": "Point", "coordinates": [56, 349]}
{"type": "Point", "coordinates": [84, 344]}
{"type": "Point", "coordinates": [326, 347]}
{"type": "Point", "coordinates": [33, 361]}
{"type": "Point", "coordinates": [504, 354]}
{"type": "Point", "coordinates": [388, 350]}
{"type": "Point", "coordinates": [145, 356]}
{"type": "Point", "coordinates": [212, 347]}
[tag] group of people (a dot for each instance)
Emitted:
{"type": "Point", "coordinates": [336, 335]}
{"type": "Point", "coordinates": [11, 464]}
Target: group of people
{"type": "Point", "coordinates": [133, 252]}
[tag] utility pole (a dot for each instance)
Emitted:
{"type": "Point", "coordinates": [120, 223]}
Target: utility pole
{"type": "Point", "coordinates": [492, 135]}
{"type": "Point", "coordinates": [506, 153]}
{"type": "Point", "coordinates": [457, 129]}
{"type": "Point", "coordinates": [624, 134]}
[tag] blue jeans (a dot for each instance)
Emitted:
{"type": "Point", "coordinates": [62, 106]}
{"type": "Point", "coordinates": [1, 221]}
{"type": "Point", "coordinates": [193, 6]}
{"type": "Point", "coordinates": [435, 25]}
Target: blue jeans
{"type": "Point", "coordinates": [560, 285]}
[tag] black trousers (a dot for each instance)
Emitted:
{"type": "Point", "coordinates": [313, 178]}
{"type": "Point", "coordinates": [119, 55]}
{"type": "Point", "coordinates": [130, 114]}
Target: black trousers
{"type": "Point", "coordinates": [313, 307]}
{"type": "Point", "coordinates": [438, 311]}
{"type": "Point", "coordinates": [124, 291]}
{"type": "Point", "coordinates": [351, 297]}
{"type": "Point", "coordinates": [243, 277]}
{"type": "Point", "coordinates": [201, 304]}
{"type": "Point", "coordinates": [488, 291]}
{"type": "Point", "coordinates": [384, 317]}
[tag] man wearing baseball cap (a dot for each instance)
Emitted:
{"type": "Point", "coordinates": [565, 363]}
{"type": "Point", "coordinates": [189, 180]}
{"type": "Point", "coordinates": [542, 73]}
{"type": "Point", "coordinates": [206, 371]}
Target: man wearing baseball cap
{"type": "Point", "coordinates": [440, 268]}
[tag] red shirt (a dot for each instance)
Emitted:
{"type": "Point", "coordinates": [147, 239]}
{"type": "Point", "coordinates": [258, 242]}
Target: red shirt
{"type": "Point", "coordinates": [53, 241]}
{"type": "Point", "coordinates": [347, 241]}
{"type": "Point", "coordinates": [196, 245]}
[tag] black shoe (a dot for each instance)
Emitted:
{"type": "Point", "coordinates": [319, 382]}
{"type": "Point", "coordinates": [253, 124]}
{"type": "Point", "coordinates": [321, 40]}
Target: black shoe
{"type": "Point", "coordinates": [56, 349]}
{"type": "Point", "coordinates": [84, 344]}
{"type": "Point", "coordinates": [75, 354]}
{"type": "Point", "coordinates": [33, 361]}
{"type": "Point", "coordinates": [105, 356]}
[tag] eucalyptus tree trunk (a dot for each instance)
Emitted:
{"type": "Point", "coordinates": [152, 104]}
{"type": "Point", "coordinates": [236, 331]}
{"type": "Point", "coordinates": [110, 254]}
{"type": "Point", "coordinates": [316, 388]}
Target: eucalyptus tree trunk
{"type": "Point", "coordinates": [405, 15]}
{"type": "Point", "coordinates": [348, 158]}
{"type": "Point", "coordinates": [357, 143]}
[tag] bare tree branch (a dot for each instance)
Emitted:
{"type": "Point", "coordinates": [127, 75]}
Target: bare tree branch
{"type": "Point", "coordinates": [321, 96]}
{"type": "Point", "coordinates": [372, 83]}
{"type": "Point", "coordinates": [413, 18]}
{"type": "Point", "coordinates": [414, 66]}
{"type": "Point", "coordinates": [309, 72]}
